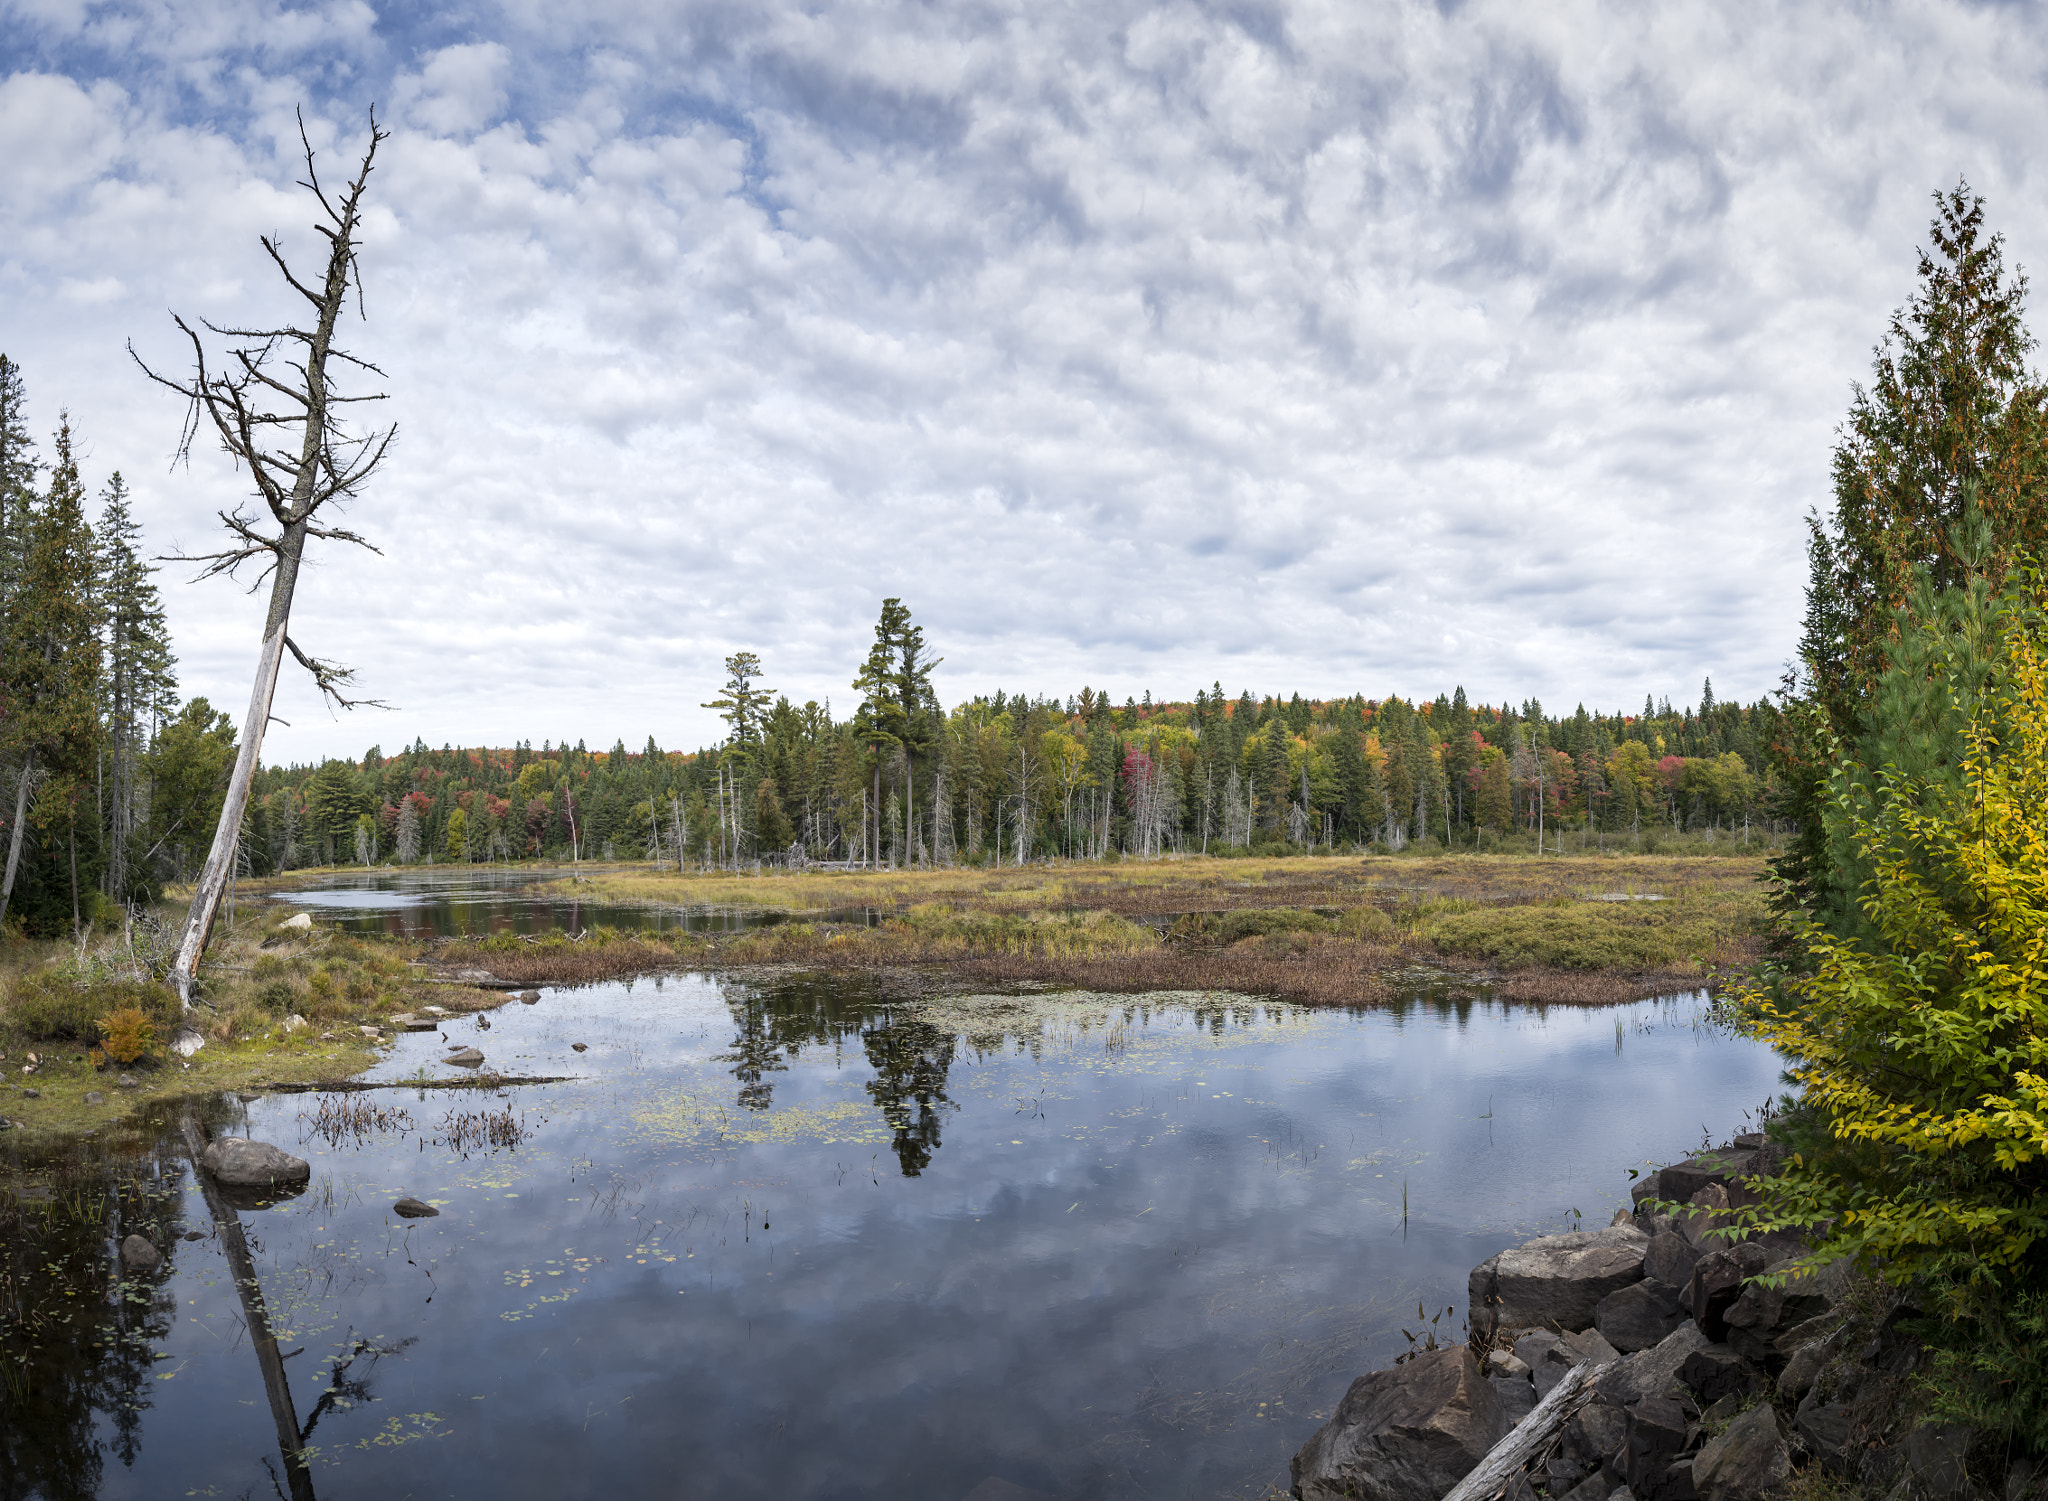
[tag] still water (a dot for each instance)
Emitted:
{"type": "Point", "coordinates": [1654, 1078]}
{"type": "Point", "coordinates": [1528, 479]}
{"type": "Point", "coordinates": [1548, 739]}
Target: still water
{"type": "Point", "coordinates": [481, 899]}
{"type": "Point", "coordinates": [802, 1240]}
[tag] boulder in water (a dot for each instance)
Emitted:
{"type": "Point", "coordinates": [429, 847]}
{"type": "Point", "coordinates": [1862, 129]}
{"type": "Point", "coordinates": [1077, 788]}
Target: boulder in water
{"type": "Point", "coordinates": [241, 1163]}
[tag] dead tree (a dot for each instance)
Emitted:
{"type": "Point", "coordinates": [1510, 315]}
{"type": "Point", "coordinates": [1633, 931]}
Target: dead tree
{"type": "Point", "coordinates": [276, 410]}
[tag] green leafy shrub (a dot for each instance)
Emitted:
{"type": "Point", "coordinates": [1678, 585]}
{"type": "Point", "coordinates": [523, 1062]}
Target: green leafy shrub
{"type": "Point", "coordinates": [52, 1005]}
{"type": "Point", "coordinates": [279, 995]}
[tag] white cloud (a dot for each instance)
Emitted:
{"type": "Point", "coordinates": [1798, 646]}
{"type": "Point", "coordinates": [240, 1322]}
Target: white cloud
{"type": "Point", "coordinates": [1327, 348]}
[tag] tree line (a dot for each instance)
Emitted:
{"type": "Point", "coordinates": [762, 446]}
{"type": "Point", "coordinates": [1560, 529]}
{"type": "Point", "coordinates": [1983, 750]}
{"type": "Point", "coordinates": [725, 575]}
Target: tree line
{"type": "Point", "coordinates": [1008, 778]}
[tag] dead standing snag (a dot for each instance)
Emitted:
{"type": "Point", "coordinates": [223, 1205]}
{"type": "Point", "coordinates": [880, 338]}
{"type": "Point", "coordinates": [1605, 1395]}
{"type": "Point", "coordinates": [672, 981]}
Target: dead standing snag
{"type": "Point", "coordinates": [276, 411]}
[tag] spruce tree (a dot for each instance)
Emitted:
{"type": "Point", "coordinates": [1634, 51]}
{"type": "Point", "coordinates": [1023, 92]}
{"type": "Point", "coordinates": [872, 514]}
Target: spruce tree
{"type": "Point", "coordinates": [139, 688]}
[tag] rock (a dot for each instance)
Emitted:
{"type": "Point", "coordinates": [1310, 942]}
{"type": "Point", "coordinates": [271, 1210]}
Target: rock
{"type": "Point", "coordinates": [1670, 1258]}
{"type": "Point", "coordinates": [369, 1031]}
{"type": "Point", "coordinates": [1592, 1488]}
{"type": "Point", "coordinates": [242, 1163]}
{"type": "Point", "coordinates": [483, 1024]}
{"type": "Point", "coordinates": [465, 1058]}
{"type": "Point", "coordinates": [581, 1047]}
{"type": "Point", "coordinates": [1758, 1308]}
{"type": "Point", "coordinates": [433, 1010]}
{"type": "Point", "coordinates": [1505, 1363]}
{"type": "Point", "coordinates": [126, 1081]}
{"type": "Point", "coordinates": [186, 1040]}
{"type": "Point", "coordinates": [1717, 1281]}
{"type": "Point", "coordinates": [94, 1097]}
{"type": "Point", "coordinates": [1558, 1279]}
{"type": "Point", "coordinates": [1517, 1397]}
{"type": "Point", "coordinates": [1804, 1368]}
{"type": "Point", "coordinates": [1680, 1181]}
{"type": "Point", "coordinates": [195, 1235]}
{"type": "Point", "coordinates": [405, 1021]}
{"type": "Point", "coordinates": [1715, 1372]}
{"type": "Point", "coordinates": [1747, 1461]}
{"type": "Point", "coordinates": [1639, 1316]}
{"type": "Point", "coordinates": [292, 1023]}
{"type": "Point", "coordinates": [1652, 1438]}
{"type": "Point", "coordinates": [1622, 1217]}
{"type": "Point", "coordinates": [1550, 1356]}
{"type": "Point", "coordinates": [1934, 1460]}
{"type": "Point", "coordinates": [32, 1094]}
{"type": "Point", "coordinates": [140, 1254]}
{"type": "Point", "coordinates": [300, 923]}
{"type": "Point", "coordinates": [529, 997]}
{"type": "Point", "coordinates": [1596, 1434]}
{"type": "Point", "coordinates": [414, 1209]}
{"type": "Point", "coordinates": [1824, 1427]}
{"type": "Point", "coordinates": [1650, 1373]}
{"type": "Point", "coordinates": [1406, 1434]}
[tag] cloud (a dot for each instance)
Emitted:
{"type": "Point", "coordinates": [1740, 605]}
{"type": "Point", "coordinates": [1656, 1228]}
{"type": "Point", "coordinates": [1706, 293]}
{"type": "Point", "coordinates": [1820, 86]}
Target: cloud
{"type": "Point", "coordinates": [1367, 348]}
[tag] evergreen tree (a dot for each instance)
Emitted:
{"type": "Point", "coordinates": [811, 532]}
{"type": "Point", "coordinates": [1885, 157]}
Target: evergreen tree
{"type": "Point", "coordinates": [49, 664]}
{"type": "Point", "coordinates": [139, 688]}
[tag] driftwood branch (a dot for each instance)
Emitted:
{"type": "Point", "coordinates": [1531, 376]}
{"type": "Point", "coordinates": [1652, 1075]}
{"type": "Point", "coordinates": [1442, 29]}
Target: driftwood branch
{"type": "Point", "coordinates": [1506, 1459]}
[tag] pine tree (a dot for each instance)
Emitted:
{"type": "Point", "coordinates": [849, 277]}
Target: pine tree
{"type": "Point", "coordinates": [139, 688]}
{"type": "Point", "coordinates": [17, 474]}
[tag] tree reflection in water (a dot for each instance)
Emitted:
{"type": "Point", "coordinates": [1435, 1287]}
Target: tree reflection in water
{"type": "Point", "coordinates": [78, 1330]}
{"type": "Point", "coordinates": [911, 1057]}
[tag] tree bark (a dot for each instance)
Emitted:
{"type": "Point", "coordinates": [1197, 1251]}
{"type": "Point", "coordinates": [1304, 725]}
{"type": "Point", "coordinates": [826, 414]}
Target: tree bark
{"type": "Point", "coordinates": [21, 791]}
{"type": "Point", "coordinates": [213, 876]}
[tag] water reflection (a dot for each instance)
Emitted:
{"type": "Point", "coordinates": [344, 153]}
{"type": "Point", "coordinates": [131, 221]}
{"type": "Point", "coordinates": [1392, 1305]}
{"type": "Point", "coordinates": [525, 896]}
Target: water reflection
{"type": "Point", "coordinates": [1129, 1245]}
{"type": "Point", "coordinates": [479, 901]}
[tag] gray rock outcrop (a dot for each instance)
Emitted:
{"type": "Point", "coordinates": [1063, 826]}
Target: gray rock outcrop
{"type": "Point", "coordinates": [1406, 1434]}
{"type": "Point", "coordinates": [139, 1255]}
{"type": "Point", "coordinates": [1558, 1280]}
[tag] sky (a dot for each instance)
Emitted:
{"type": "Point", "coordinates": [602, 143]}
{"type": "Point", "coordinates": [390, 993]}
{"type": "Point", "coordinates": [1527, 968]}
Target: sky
{"type": "Point", "coordinates": [1366, 347]}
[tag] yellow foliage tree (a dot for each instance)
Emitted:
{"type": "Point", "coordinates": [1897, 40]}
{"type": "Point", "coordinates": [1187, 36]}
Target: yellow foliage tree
{"type": "Point", "coordinates": [1923, 1049]}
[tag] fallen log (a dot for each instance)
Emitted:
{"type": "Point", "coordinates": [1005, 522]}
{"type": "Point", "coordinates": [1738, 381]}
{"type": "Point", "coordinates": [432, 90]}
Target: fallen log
{"type": "Point", "coordinates": [1506, 1459]}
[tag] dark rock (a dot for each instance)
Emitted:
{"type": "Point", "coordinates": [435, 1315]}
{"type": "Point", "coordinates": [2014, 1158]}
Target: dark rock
{"type": "Point", "coordinates": [94, 1097]}
{"type": "Point", "coordinates": [1670, 1258]}
{"type": "Point", "coordinates": [1749, 1141]}
{"type": "Point", "coordinates": [1717, 1282]}
{"type": "Point", "coordinates": [1824, 1427]}
{"type": "Point", "coordinates": [1551, 1356]}
{"type": "Point", "coordinates": [126, 1081]}
{"type": "Point", "coordinates": [1639, 1316]}
{"type": "Point", "coordinates": [1621, 1493]}
{"type": "Point", "coordinates": [581, 1047]}
{"type": "Point", "coordinates": [1517, 1397]}
{"type": "Point", "coordinates": [32, 1094]}
{"type": "Point", "coordinates": [1650, 1373]}
{"type": "Point", "coordinates": [1595, 1434]}
{"type": "Point", "coordinates": [1406, 1434]}
{"type": "Point", "coordinates": [1759, 1307]}
{"type": "Point", "coordinates": [1747, 1461]}
{"type": "Point", "coordinates": [414, 1209]}
{"type": "Point", "coordinates": [465, 1058]}
{"type": "Point", "coordinates": [1519, 1488]}
{"type": "Point", "coordinates": [1795, 1336]}
{"type": "Point", "coordinates": [140, 1254]}
{"type": "Point", "coordinates": [1934, 1460]}
{"type": "Point", "coordinates": [1804, 1368]}
{"type": "Point", "coordinates": [529, 997]}
{"type": "Point", "coordinates": [195, 1235]}
{"type": "Point", "coordinates": [1652, 1439]}
{"type": "Point", "coordinates": [1680, 1181]}
{"type": "Point", "coordinates": [1593, 1488]}
{"type": "Point", "coordinates": [1558, 1280]}
{"type": "Point", "coordinates": [241, 1163]}
{"type": "Point", "coordinates": [1677, 1484]}
{"type": "Point", "coordinates": [1715, 1372]}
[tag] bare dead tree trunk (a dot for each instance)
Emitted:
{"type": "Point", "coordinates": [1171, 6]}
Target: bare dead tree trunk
{"type": "Point", "coordinates": [328, 466]}
{"type": "Point", "coordinates": [24, 784]}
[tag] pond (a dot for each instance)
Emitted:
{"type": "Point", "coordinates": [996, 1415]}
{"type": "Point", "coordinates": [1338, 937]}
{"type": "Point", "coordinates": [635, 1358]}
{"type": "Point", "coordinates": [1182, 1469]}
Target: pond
{"type": "Point", "coordinates": [806, 1240]}
{"type": "Point", "coordinates": [485, 899]}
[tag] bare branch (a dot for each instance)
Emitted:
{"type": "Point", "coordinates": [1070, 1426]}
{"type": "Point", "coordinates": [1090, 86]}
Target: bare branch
{"type": "Point", "coordinates": [332, 677]}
